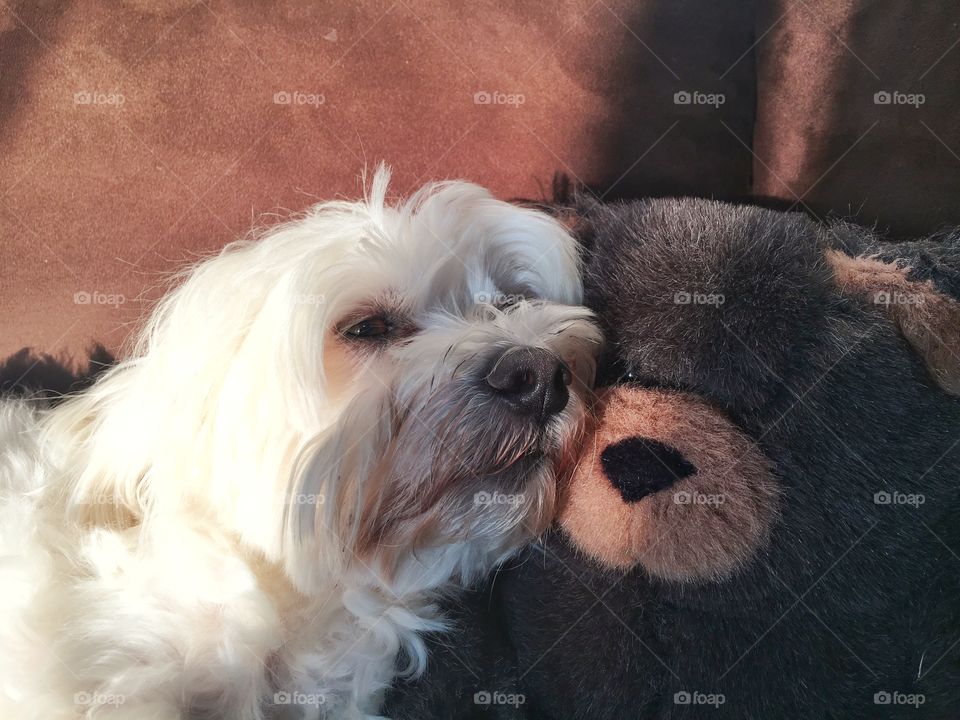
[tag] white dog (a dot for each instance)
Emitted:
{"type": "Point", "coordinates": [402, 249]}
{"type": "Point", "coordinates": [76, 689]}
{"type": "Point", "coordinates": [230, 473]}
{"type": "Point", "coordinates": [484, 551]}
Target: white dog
{"type": "Point", "coordinates": [315, 434]}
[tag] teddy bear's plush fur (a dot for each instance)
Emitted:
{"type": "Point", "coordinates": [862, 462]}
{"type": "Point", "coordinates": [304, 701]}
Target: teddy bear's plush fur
{"type": "Point", "coordinates": [766, 522]}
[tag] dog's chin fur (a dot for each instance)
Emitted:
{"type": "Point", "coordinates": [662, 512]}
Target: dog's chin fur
{"type": "Point", "coordinates": [252, 516]}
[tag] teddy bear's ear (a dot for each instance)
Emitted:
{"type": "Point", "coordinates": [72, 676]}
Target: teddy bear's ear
{"type": "Point", "coordinates": [573, 204]}
{"type": "Point", "coordinates": [573, 220]}
{"type": "Point", "coordinates": [928, 317]}
{"type": "Point", "coordinates": [569, 202]}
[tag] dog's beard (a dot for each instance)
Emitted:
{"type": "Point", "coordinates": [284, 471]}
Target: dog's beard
{"type": "Point", "coordinates": [460, 469]}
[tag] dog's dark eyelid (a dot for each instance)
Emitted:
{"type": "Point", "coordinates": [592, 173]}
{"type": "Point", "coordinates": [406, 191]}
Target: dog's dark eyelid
{"type": "Point", "coordinates": [379, 328]}
{"type": "Point", "coordinates": [376, 327]}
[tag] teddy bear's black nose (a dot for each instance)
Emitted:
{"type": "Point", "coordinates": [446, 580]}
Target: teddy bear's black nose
{"type": "Point", "coordinates": [638, 467]}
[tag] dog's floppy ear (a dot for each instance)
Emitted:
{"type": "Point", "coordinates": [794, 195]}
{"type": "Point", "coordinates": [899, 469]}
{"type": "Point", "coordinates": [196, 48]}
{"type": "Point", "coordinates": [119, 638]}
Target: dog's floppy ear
{"type": "Point", "coordinates": [928, 317]}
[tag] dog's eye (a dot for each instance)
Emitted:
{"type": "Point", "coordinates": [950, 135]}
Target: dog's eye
{"type": "Point", "coordinates": [369, 328]}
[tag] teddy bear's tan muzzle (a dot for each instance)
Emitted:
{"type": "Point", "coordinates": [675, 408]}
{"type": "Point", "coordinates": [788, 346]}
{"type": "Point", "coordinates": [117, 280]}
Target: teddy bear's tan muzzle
{"type": "Point", "coordinates": [668, 482]}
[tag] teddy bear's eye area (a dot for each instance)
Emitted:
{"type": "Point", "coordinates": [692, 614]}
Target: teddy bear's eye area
{"type": "Point", "coordinates": [615, 373]}
{"type": "Point", "coordinates": [637, 379]}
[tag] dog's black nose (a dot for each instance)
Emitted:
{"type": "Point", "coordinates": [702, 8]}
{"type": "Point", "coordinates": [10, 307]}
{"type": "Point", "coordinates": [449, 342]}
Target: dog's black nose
{"type": "Point", "coordinates": [533, 381]}
{"type": "Point", "coordinates": [638, 467]}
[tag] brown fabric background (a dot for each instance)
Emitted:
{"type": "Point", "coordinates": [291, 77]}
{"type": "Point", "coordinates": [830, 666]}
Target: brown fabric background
{"type": "Point", "coordinates": [106, 199]}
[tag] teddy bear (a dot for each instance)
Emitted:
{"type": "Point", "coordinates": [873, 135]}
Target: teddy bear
{"type": "Point", "coordinates": [764, 520]}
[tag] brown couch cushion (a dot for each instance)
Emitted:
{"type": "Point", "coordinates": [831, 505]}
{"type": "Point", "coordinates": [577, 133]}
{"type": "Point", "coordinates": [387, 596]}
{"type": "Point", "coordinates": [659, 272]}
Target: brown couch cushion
{"type": "Point", "coordinates": [136, 135]}
{"type": "Point", "coordinates": [824, 135]}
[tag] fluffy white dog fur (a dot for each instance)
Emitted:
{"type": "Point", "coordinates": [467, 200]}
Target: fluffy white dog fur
{"type": "Point", "coordinates": [252, 515]}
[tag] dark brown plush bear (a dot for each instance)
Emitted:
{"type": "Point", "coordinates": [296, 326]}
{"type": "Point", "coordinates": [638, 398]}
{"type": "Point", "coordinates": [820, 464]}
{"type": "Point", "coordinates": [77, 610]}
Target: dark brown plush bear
{"type": "Point", "coordinates": [765, 521]}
